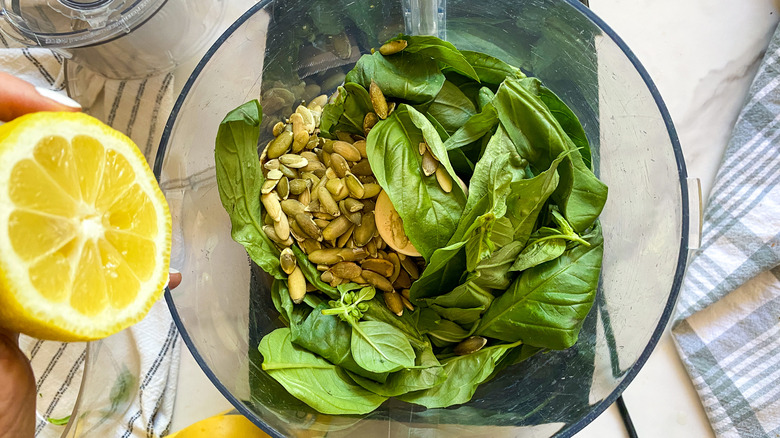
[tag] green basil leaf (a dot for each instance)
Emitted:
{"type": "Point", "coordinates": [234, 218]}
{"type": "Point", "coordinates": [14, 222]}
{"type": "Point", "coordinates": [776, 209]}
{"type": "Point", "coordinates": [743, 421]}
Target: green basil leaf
{"type": "Point", "coordinates": [485, 98]}
{"type": "Point", "coordinates": [569, 122]}
{"type": "Point", "coordinates": [330, 337]}
{"type": "Point", "coordinates": [239, 180]}
{"type": "Point", "coordinates": [491, 70]}
{"type": "Point", "coordinates": [547, 304]}
{"type": "Point", "coordinates": [464, 316]}
{"type": "Point", "coordinates": [407, 76]}
{"type": "Point", "coordinates": [494, 271]}
{"type": "Point", "coordinates": [378, 311]}
{"type": "Point", "coordinates": [428, 372]}
{"type": "Point", "coordinates": [540, 139]}
{"type": "Point", "coordinates": [442, 51]}
{"type": "Point", "coordinates": [523, 211]}
{"type": "Point", "coordinates": [465, 295]}
{"type": "Point", "coordinates": [539, 252]}
{"type": "Point", "coordinates": [451, 107]}
{"type": "Point", "coordinates": [473, 129]}
{"type": "Point", "coordinates": [379, 347]}
{"type": "Point", "coordinates": [280, 296]}
{"type": "Point", "coordinates": [464, 375]}
{"type": "Point", "coordinates": [442, 273]}
{"type": "Point", "coordinates": [313, 380]}
{"type": "Point", "coordinates": [430, 215]}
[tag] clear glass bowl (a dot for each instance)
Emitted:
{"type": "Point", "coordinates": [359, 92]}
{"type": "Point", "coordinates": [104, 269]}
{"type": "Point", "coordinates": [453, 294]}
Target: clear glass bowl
{"type": "Point", "coordinates": [223, 308]}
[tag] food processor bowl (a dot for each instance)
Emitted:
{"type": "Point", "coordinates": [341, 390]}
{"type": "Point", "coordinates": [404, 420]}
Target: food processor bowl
{"type": "Point", "coordinates": [282, 52]}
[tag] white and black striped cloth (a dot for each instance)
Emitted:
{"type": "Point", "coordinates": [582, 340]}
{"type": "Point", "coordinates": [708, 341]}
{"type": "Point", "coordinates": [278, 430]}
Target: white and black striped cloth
{"type": "Point", "coordinates": [728, 324]}
{"type": "Point", "coordinates": [143, 361]}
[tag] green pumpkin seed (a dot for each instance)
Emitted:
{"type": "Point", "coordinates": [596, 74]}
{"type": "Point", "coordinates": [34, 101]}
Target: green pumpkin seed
{"type": "Point", "coordinates": [339, 164]}
{"type": "Point", "coordinates": [298, 185]}
{"type": "Point", "coordinates": [283, 188]}
{"type": "Point", "coordinates": [392, 47]}
{"type": "Point", "coordinates": [472, 344]}
{"type": "Point", "coordinates": [277, 129]}
{"type": "Point", "coordinates": [377, 281]}
{"type": "Point", "coordinates": [346, 150]}
{"type": "Point", "coordinates": [407, 303]}
{"type": "Point", "coordinates": [300, 140]}
{"type": "Point", "coordinates": [347, 270]}
{"type": "Point", "coordinates": [287, 261]}
{"type": "Point", "coordinates": [444, 179]}
{"type": "Point", "coordinates": [286, 171]}
{"type": "Point", "coordinates": [336, 228]}
{"type": "Point", "coordinates": [360, 145]}
{"type": "Point", "coordinates": [269, 231]}
{"type": "Point", "coordinates": [268, 186]}
{"type": "Point", "coordinates": [342, 241]}
{"type": "Point", "coordinates": [307, 224]}
{"type": "Point", "coordinates": [282, 227]}
{"type": "Point", "coordinates": [366, 230]}
{"type": "Point", "coordinates": [271, 164]}
{"type": "Point", "coordinates": [327, 202]}
{"type": "Point", "coordinates": [429, 164]}
{"type": "Point", "coordinates": [355, 187]}
{"type": "Point", "coordinates": [362, 168]}
{"type": "Point", "coordinates": [271, 203]}
{"type": "Point", "coordinates": [293, 161]}
{"type": "Point", "coordinates": [380, 266]}
{"type": "Point", "coordinates": [352, 205]}
{"type": "Point", "coordinates": [393, 302]}
{"type": "Point", "coordinates": [322, 223]}
{"type": "Point", "coordinates": [409, 266]}
{"type": "Point", "coordinates": [403, 281]}
{"type": "Point", "coordinates": [280, 145]}
{"type": "Point", "coordinates": [369, 121]}
{"type": "Point", "coordinates": [292, 207]}
{"type": "Point", "coordinates": [344, 136]}
{"type": "Point", "coordinates": [378, 100]}
{"type": "Point", "coordinates": [393, 258]}
{"type": "Point", "coordinates": [296, 284]}
{"type": "Point", "coordinates": [371, 190]}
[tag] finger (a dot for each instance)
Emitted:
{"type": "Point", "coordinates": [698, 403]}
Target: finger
{"type": "Point", "coordinates": [9, 335]}
{"type": "Point", "coordinates": [174, 280]}
{"type": "Point", "coordinates": [18, 97]}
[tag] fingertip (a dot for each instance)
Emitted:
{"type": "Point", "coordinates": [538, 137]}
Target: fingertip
{"type": "Point", "coordinates": [174, 279]}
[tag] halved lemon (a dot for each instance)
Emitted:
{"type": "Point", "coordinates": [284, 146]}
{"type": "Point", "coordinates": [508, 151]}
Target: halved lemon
{"type": "Point", "coordinates": [84, 228]}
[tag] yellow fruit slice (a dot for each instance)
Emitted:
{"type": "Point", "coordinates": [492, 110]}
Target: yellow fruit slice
{"type": "Point", "coordinates": [84, 229]}
{"type": "Point", "coordinates": [221, 426]}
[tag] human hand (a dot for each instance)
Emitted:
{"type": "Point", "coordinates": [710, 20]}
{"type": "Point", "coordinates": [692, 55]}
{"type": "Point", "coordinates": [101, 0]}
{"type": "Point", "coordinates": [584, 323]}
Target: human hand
{"type": "Point", "coordinates": [17, 383]}
{"type": "Point", "coordinates": [18, 97]}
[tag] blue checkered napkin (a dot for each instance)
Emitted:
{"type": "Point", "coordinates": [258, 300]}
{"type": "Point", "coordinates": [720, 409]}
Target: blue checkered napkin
{"type": "Point", "coordinates": [727, 327]}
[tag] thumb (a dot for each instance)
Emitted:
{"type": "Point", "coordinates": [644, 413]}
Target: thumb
{"type": "Point", "coordinates": [19, 97]}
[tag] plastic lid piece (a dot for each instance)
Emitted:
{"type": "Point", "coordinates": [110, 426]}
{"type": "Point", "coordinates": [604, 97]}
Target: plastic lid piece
{"type": "Point", "coordinates": [73, 23]}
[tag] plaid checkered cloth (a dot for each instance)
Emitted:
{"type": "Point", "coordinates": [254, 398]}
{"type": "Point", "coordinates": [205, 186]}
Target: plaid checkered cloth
{"type": "Point", "coordinates": [727, 327]}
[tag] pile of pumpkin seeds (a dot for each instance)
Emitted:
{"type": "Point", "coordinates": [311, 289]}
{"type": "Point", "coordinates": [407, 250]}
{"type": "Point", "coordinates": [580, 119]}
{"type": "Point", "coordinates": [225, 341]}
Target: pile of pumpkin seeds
{"type": "Point", "coordinates": [320, 194]}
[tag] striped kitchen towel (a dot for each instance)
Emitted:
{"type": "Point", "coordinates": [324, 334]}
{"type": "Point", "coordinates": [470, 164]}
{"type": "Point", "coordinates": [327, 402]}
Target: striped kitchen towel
{"type": "Point", "coordinates": [727, 327]}
{"type": "Point", "coordinates": [132, 378]}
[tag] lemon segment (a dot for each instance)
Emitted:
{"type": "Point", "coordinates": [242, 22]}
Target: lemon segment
{"type": "Point", "coordinates": [84, 229]}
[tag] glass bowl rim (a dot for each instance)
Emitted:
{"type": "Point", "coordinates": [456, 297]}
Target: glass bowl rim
{"type": "Point", "coordinates": [630, 374]}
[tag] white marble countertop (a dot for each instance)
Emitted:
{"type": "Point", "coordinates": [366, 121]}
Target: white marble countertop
{"type": "Point", "coordinates": [702, 55]}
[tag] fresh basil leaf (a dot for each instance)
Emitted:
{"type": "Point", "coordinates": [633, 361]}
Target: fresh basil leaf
{"type": "Point", "coordinates": [464, 375]}
{"type": "Point", "coordinates": [379, 347]}
{"type": "Point", "coordinates": [539, 252]}
{"type": "Point", "coordinates": [465, 316]}
{"type": "Point", "coordinates": [407, 76]}
{"type": "Point", "coordinates": [239, 180]}
{"type": "Point", "coordinates": [547, 304]}
{"type": "Point", "coordinates": [491, 70]}
{"type": "Point", "coordinates": [499, 166]}
{"type": "Point", "coordinates": [331, 113]}
{"type": "Point", "coordinates": [540, 139]}
{"type": "Point", "coordinates": [442, 332]}
{"type": "Point", "coordinates": [523, 211]}
{"type": "Point", "coordinates": [451, 107]}
{"type": "Point", "coordinates": [280, 296]}
{"type": "Point", "coordinates": [494, 271]}
{"type": "Point", "coordinates": [430, 214]}
{"type": "Point", "coordinates": [442, 51]}
{"type": "Point", "coordinates": [441, 274]}
{"type": "Point", "coordinates": [465, 295]}
{"type": "Point", "coordinates": [473, 129]}
{"type": "Point", "coordinates": [428, 372]}
{"type": "Point", "coordinates": [330, 337]}
{"type": "Point", "coordinates": [378, 311]}
{"type": "Point", "coordinates": [568, 121]}
{"type": "Point", "coordinates": [485, 98]}
{"type": "Point", "coordinates": [313, 380]}
{"type": "Point", "coordinates": [503, 232]}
